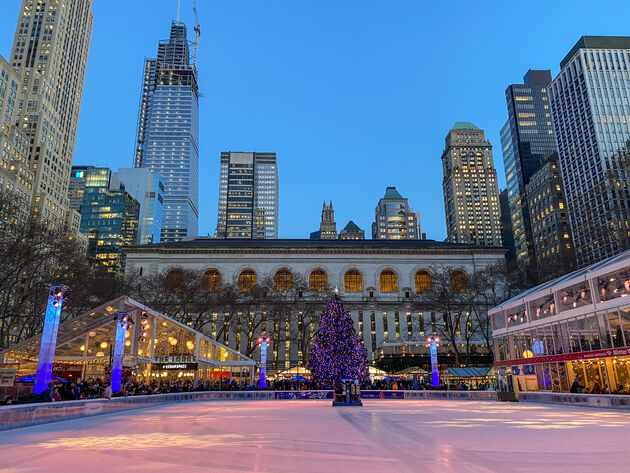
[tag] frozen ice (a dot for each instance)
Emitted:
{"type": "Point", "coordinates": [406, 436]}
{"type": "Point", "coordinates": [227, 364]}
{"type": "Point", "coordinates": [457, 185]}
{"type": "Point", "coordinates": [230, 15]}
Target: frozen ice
{"type": "Point", "coordinates": [312, 436]}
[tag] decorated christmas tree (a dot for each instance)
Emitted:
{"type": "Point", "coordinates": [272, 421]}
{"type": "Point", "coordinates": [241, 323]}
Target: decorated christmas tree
{"type": "Point", "coordinates": [338, 351]}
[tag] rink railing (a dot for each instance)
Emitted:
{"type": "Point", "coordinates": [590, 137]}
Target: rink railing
{"type": "Point", "coordinates": [23, 415]}
{"type": "Point", "coordinates": [608, 401]}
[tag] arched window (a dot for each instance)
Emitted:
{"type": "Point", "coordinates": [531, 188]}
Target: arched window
{"type": "Point", "coordinates": [211, 281]}
{"type": "Point", "coordinates": [459, 281]}
{"type": "Point", "coordinates": [424, 281]}
{"type": "Point", "coordinates": [246, 280]}
{"type": "Point", "coordinates": [174, 280]}
{"type": "Point", "coordinates": [352, 281]}
{"type": "Point", "coordinates": [283, 280]}
{"type": "Point", "coordinates": [317, 280]}
{"type": "Point", "coordinates": [388, 281]}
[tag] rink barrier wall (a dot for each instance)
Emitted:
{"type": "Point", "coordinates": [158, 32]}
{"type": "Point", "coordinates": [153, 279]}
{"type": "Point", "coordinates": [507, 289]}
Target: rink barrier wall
{"type": "Point", "coordinates": [608, 401]}
{"type": "Point", "coordinates": [24, 415]}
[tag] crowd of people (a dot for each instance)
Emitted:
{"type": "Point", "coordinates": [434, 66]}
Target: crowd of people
{"type": "Point", "coordinates": [94, 388]}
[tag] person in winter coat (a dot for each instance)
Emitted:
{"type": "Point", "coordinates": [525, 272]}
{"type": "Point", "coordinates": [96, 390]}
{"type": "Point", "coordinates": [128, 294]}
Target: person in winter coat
{"type": "Point", "coordinates": [48, 392]}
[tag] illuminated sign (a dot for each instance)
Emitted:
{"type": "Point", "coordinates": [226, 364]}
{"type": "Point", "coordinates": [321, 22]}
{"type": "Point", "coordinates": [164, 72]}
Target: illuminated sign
{"type": "Point", "coordinates": [174, 366]}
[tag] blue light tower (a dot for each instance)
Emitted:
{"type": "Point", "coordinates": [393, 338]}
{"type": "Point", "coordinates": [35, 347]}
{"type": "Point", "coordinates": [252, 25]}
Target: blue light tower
{"type": "Point", "coordinates": [433, 343]}
{"type": "Point", "coordinates": [122, 323]}
{"type": "Point", "coordinates": [56, 293]}
{"type": "Point", "coordinates": [263, 342]}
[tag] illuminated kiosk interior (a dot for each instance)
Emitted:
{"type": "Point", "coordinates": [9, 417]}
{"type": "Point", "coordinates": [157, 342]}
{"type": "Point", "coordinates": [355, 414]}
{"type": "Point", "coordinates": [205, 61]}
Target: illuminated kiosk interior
{"type": "Point", "coordinates": [576, 325]}
{"type": "Point", "coordinates": [157, 349]}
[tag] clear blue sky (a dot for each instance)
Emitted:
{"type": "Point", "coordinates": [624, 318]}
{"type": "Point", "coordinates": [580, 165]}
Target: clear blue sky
{"type": "Point", "coordinates": [353, 95]}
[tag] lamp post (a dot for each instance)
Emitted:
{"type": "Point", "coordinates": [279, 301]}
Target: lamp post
{"type": "Point", "coordinates": [434, 342]}
{"type": "Point", "coordinates": [263, 342]}
{"type": "Point", "coordinates": [56, 294]}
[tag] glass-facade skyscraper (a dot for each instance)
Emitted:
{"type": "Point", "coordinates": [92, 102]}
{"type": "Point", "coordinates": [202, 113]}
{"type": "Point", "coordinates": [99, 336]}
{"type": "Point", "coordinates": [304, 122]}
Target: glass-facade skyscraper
{"type": "Point", "coordinates": [147, 188]}
{"type": "Point", "coordinates": [109, 214]}
{"type": "Point", "coordinates": [168, 132]}
{"type": "Point", "coordinates": [394, 219]}
{"type": "Point", "coordinates": [590, 102]}
{"type": "Point", "coordinates": [248, 196]}
{"type": "Point", "coordinates": [527, 140]}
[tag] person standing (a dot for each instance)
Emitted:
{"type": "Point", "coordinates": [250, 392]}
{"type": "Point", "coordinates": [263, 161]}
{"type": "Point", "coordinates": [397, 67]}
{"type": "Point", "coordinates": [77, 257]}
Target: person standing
{"type": "Point", "coordinates": [48, 392]}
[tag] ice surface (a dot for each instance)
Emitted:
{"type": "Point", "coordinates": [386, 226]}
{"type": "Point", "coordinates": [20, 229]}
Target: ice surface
{"type": "Point", "coordinates": [312, 436]}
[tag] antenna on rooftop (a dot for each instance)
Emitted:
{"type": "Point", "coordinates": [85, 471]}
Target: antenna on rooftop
{"type": "Point", "coordinates": [178, 10]}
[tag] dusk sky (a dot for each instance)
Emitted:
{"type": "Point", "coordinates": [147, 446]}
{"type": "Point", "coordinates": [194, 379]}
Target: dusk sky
{"type": "Point", "coordinates": [352, 95]}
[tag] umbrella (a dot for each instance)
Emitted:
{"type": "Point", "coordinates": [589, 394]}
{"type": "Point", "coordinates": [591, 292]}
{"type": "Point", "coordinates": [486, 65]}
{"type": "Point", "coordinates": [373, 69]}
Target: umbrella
{"type": "Point", "coordinates": [298, 378]}
{"type": "Point", "coordinates": [31, 379]}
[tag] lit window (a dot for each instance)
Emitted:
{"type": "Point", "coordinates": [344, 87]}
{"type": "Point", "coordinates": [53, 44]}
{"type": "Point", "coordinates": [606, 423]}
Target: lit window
{"type": "Point", "coordinates": [388, 281]}
{"type": "Point", "coordinates": [424, 281]}
{"type": "Point", "coordinates": [283, 280]}
{"type": "Point", "coordinates": [174, 280]}
{"type": "Point", "coordinates": [317, 280]}
{"type": "Point", "coordinates": [459, 281]}
{"type": "Point", "coordinates": [246, 280]}
{"type": "Point", "coordinates": [352, 281]}
{"type": "Point", "coordinates": [211, 281]}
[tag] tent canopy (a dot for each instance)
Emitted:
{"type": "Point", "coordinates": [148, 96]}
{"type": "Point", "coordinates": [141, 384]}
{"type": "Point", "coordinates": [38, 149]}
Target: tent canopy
{"type": "Point", "coordinates": [470, 372]}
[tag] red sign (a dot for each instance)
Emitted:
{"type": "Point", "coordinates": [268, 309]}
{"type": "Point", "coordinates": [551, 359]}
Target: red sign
{"type": "Point", "coordinates": [585, 355]}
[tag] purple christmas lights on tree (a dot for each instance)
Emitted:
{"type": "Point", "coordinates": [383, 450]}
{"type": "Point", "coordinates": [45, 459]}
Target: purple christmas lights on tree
{"type": "Point", "coordinates": [338, 351]}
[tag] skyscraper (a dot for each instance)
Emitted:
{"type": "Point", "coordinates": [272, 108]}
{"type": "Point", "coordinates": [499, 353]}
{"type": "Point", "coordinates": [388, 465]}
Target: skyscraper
{"type": "Point", "coordinates": [394, 219]}
{"type": "Point", "coordinates": [527, 140]}
{"type": "Point", "coordinates": [248, 196]}
{"type": "Point", "coordinates": [591, 115]}
{"type": "Point", "coordinates": [147, 188]}
{"type": "Point", "coordinates": [328, 227]}
{"type": "Point", "coordinates": [50, 53]}
{"type": "Point", "coordinates": [555, 255]}
{"type": "Point", "coordinates": [471, 193]}
{"type": "Point", "coordinates": [16, 177]}
{"type": "Point", "coordinates": [109, 215]}
{"type": "Point", "coordinates": [168, 132]}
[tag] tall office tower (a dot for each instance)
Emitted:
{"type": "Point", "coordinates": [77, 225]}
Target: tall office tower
{"type": "Point", "coordinates": [527, 140]}
{"type": "Point", "coordinates": [147, 188]}
{"type": "Point", "coordinates": [471, 194]}
{"type": "Point", "coordinates": [168, 132]}
{"type": "Point", "coordinates": [16, 177]}
{"type": "Point", "coordinates": [591, 114]}
{"type": "Point", "coordinates": [394, 219]}
{"type": "Point", "coordinates": [248, 196]}
{"type": "Point", "coordinates": [555, 255]}
{"type": "Point", "coordinates": [109, 215]}
{"type": "Point", "coordinates": [50, 53]}
{"type": "Point", "coordinates": [328, 227]}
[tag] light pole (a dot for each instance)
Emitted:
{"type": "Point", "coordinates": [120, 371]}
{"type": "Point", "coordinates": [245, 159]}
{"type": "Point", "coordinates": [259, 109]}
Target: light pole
{"type": "Point", "coordinates": [434, 342]}
{"type": "Point", "coordinates": [56, 294]}
{"type": "Point", "coordinates": [263, 342]}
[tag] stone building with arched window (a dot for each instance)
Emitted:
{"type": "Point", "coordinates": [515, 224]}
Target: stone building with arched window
{"type": "Point", "coordinates": [377, 281]}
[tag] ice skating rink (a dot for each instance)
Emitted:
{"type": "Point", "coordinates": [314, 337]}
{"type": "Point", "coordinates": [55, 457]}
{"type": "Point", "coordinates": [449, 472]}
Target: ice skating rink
{"type": "Point", "coordinates": [312, 436]}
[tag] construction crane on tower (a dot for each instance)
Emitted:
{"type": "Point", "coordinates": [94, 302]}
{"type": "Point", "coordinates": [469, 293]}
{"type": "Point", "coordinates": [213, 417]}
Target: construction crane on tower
{"type": "Point", "coordinates": [197, 33]}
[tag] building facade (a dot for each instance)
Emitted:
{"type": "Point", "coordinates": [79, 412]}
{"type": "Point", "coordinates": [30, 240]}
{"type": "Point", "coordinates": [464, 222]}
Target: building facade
{"type": "Point", "coordinates": [394, 219]}
{"type": "Point", "coordinates": [471, 192]}
{"type": "Point", "coordinates": [50, 53]}
{"type": "Point", "coordinates": [591, 115]}
{"type": "Point", "coordinates": [351, 232]}
{"type": "Point", "coordinates": [248, 196]}
{"type": "Point", "coordinates": [376, 280]}
{"type": "Point", "coordinates": [16, 177]}
{"type": "Point", "coordinates": [148, 189]}
{"type": "Point", "coordinates": [168, 132]}
{"type": "Point", "coordinates": [527, 140]}
{"type": "Point", "coordinates": [109, 216]}
{"type": "Point", "coordinates": [576, 325]}
{"type": "Point", "coordinates": [328, 227]}
{"type": "Point", "coordinates": [507, 236]}
{"type": "Point", "coordinates": [553, 245]}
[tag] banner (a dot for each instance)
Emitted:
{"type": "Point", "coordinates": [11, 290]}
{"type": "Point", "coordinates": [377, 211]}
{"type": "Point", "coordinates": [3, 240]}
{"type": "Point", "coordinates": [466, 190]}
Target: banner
{"type": "Point", "coordinates": [7, 377]}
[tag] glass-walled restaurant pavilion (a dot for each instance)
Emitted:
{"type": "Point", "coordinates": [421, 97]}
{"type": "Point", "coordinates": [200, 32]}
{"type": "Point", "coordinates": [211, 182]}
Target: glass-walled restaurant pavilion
{"type": "Point", "coordinates": [158, 350]}
{"type": "Point", "coordinates": [576, 325]}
